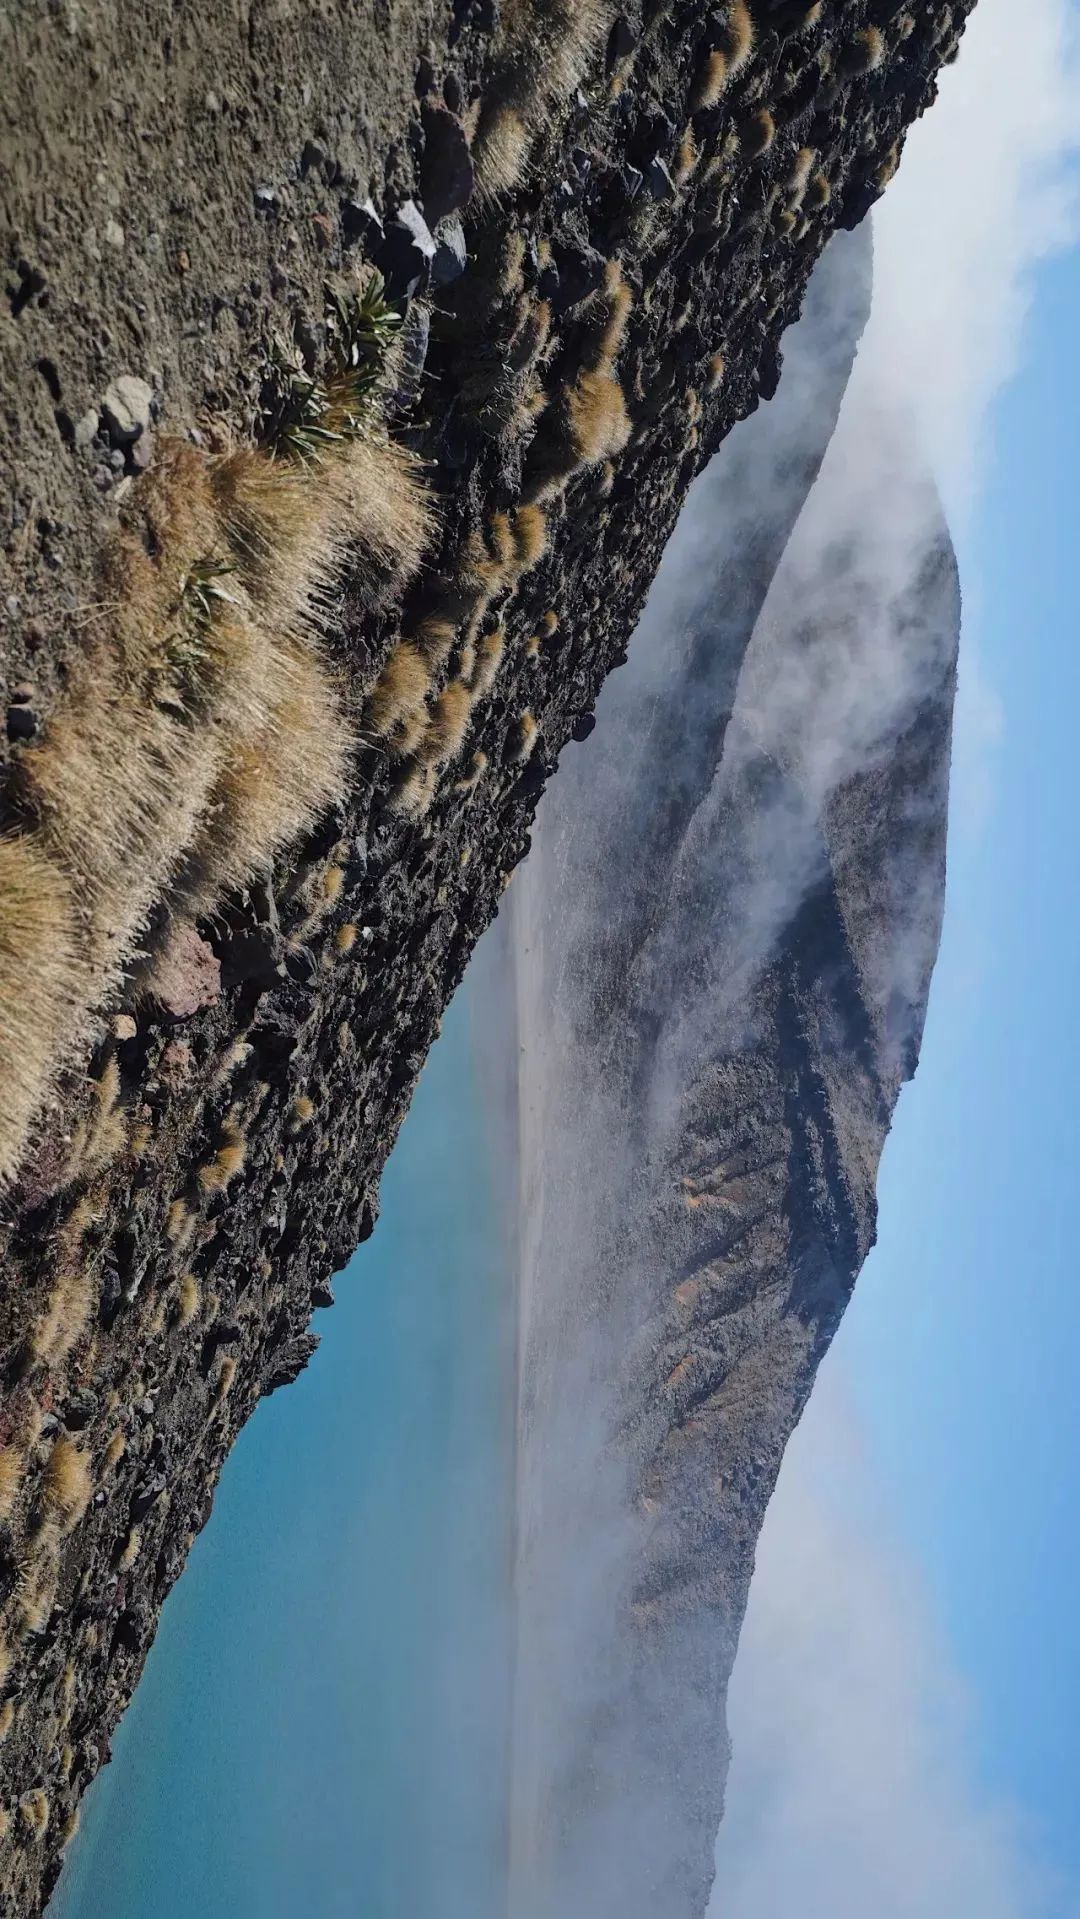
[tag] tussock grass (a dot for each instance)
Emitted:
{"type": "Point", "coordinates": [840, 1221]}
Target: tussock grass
{"type": "Point", "coordinates": [228, 1161]}
{"type": "Point", "coordinates": [34, 1812]}
{"type": "Point", "coordinates": [44, 985]}
{"type": "Point", "coordinates": [490, 648]}
{"type": "Point", "coordinates": [65, 1319]}
{"type": "Point", "coordinates": [445, 735]}
{"type": "Point", "coordinates": [757, 133]}
{"type": "Point", "coordinates": [114, 1451]}
{"type": "Point", "coordinates": [67, 1484]}
{"type": "Point", "coordinates": [189, 1299]}
{"type": "Point", "coordinates": [400, 692]}
{"type": "Point", "coordinates": [11, 1477]}
{"type": "Point", "coordinates": [547, 48]}
{"type": "Point", "coordinates": [598, 419]}
{"type": "Point", "coordinates": [523, 738]}
{"type": "Point", "coordinates": [865, 51]}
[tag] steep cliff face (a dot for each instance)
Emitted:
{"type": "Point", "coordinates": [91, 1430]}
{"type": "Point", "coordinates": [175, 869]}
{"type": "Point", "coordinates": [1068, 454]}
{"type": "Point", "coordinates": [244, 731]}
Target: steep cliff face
{"type": "Point", "coordinates": [302, 605]}
{"type": "Point", "coordinates": [709, 1071]}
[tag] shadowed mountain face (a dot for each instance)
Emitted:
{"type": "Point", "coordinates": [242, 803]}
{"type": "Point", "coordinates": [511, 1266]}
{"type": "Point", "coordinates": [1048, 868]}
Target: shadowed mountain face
{"type": "Point", "coordinates": [723, 947]}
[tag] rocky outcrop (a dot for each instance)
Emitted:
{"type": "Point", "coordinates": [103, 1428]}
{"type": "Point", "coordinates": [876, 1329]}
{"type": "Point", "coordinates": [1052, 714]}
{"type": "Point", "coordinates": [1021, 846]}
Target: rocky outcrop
{"type": "Point", "coordinates": [761, 823]}
{"type": "Point", "coordinates": [595, 227]}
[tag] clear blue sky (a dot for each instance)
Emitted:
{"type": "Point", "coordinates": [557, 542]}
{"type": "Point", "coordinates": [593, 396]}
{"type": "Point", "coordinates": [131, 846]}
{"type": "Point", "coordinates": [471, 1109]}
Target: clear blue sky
{"type": "Point", "coordinates": [964, 1340]}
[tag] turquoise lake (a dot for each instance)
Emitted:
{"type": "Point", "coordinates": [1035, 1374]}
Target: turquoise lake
{"type": "Point", "coordinates": [321, 1727]}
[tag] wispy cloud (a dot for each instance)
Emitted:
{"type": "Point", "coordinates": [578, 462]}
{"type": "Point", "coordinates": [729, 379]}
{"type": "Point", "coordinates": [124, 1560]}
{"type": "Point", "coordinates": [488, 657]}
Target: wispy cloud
{"type": "Point", "coordinates": [855, 1787]}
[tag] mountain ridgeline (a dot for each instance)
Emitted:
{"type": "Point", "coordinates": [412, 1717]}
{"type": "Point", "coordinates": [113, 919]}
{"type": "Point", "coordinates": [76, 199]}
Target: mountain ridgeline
{"type": "Point", "coordinates": [723, 946]}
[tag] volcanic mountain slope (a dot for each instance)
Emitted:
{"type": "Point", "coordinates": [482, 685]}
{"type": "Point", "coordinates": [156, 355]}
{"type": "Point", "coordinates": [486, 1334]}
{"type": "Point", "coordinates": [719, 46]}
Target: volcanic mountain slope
{"type": "Point", "coordinates": [723, 944]}
{"type": "Point", "coordinates": [355, 364]}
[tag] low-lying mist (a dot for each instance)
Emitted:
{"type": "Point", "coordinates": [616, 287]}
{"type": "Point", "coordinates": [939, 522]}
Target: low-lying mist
{"type": "Point", "coordinates": [765, 789]}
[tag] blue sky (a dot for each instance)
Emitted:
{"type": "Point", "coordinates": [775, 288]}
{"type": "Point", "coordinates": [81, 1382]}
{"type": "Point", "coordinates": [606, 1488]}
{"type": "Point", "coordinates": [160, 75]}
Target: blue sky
{"type": "Point", "coordinates": [963, 1346]}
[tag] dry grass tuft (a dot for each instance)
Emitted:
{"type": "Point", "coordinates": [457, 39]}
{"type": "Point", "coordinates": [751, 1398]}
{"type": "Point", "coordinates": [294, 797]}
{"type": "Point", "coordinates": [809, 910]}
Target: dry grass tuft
{"type": "Point", "coordinates": [180, 1223]}
{"type": "Point", "coordinates": [523, 738]}
{"type": "Point", "coordinates": [65, 1319]}
{"type": "Point", "coordinates": [490, 648]}
{"type": "Point", "coordinates": [114, 1451]}
{"type": "Point", "coordinates": [67, 1485]}
{"type": "Point", "coordinates": [43, 985]}
{"type": "Point", "coordinates": [189, 1299]}
{"type": "Point", "coordinates": [758, 133]}
{"type": "Point", "coordinates": [131, 1549]}
{"type": "Point", "coordinates": [434, 640]}
{"type": "Point", "coordinates": [717, 370]}
{"type": "Point", "coordinates": [7, 1717]}
{"type": "Point", "coordinates": [399, 694]}
{"type": "Point", "coordinates": [711, 81]}
{"type": "Point", "coordinates": [445, 736]}
{"type": "Point", "coordinates": [866, 51]}
{"type": "Point", "coordinates": [598, 419]}
{"type": "Point", "coordinates": [11, 1478]}
{"type": "Point", "coordinates": [224, 1383]}
{"type": "Point", "coordinates": [477, 769]}
{"type": "Point", "coordinates": [345, 938]}
{"type": "Point", "coordinates": [501, 150]}
{"type": "Point", "coordinates": [530, 537]}
{"type": "Point", "coordinates": [34, 1812]}
{"type": "Point", "coordinates": [228, 1160]}
{"type": "Point", "coordinates": [301, 1112]}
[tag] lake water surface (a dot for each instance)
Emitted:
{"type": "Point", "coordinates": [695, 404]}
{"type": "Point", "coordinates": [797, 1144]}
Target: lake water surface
{"type": "Point", "coordinates": [321, 1727]}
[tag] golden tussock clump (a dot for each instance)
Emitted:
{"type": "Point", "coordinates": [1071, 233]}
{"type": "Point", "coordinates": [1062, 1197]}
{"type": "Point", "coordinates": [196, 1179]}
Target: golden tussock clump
{"type": "Point", "coordinates": [797, 180]}
{"type": "Point", "coordinates": [44, 985]}
{"type": "Point", "coordinates": [189, 1299]}
{"type": "Point", "coordinates": [530, 536]}
{"type": "Point", "coordinates": [818, 191]}
{"type": "Point", "coordinates": [888, 166]}
{"type": "Point", "coordinates": [523, 737]}
{"type": "Point", "coordinates": [131, 1549]}
{"type": "Point", "coordinates": [34, 1812]}
{"type": "Point", "coordinates": [399, 693]}
{"type": "Point", "coordinates": [501, 150]}
{"type": "Point", "coordinates": [477, 769]}
{"type": "Point", "coordinates": [180, 1223]}
{"type": "Point", "coordinates": [711, 81]}
{"type": "Point", "coordinates": [615, 303]}
{"type": "Point", "coordinates": [223, 1385]}
{"type": "Point", "coordinates": [7, 1717]}
{"type": "Point", "coordinates": [301, 1112]}
{"type": "Point", "coordinates": [11, 1477]}
{"type": "Point", "coordinates": [71, 1824]}
{"type": "Point", "coordinates": [102, 1134]}
{"type": "Point", "coordinates": [416, 790]}
{"type": "Point", "coordinates": [686, 158]}
{"type": "Point", "coordinates": [65, 1319]}
{"type": "Point", "coordinates": [434, 639]}
{"type": "Point", "coordinates": [490, 648]}
{"type": "Point", "coordinates": [598, 419]}
{"type": "Point", "coordinates": [717, 370]}
{"type": "Point", "coordinates": [758, 133]}
{"type": "Point", "coordinates": [866, 51]}
{"type": "Point", "coordinates": [228, 1159]}
{"type": "Point", "coordinates": [547, 46]}
{"type": "Point", "coordinates": [549, 623]}
{"type": "Point", "coordinates": [449, 724]}
{"type": "Point", "coordinates": [67, 1484]}
{"type": "Point", "coordinates": [115, 1450]}
{"type": "Point", "coordinates": [345, 938]}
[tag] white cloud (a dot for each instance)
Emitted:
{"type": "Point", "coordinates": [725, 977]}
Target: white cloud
{"type": "Point", "coordinates": [985, 192]}
{"type": "Point", "coordinates": [854, 1789]}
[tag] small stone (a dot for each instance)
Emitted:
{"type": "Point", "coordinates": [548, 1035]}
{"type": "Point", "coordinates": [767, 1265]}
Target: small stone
{"type": "Point", "coordinates": [661, 184]}
{"type": "Point", "coordinates": [415, 336]}
{"type": "Point", "coordinates": [582, 727]}
{"type": "Point", "coordinates": [186, 975]}
{"type": "Point", "coordinates": [446, 174]}
{"type": "Point", "coordinates": [124, 1027]}
{"type": "Point", "coordinates": [360, 221]}
{"type": "Point", "coordinates": [324, 230]}
{"type": "Point", "coordinates": [451, 253]}
{"type": "Point", "coordinates": [633, 180]}
{"type": "Point", "coordinates": [114, 234]}
{"type": "Point", "coordinates": [183, 260]}
{"type": "Point", "coordinates": [126, 409]}
{"type": "Point", "coordinates": [13, 606]}
{"type": "Point", "coordinates": [408, 251]}
{"type": "Point", "coordinates": [211, 101]}
{"type": "Point", "coordinates": [312, 157]}
{"type": "Point", "coordinates": [116, 459]}
{"type": "Point", "coordinates": [86, 428]}
{"type": "Point", "coordinates": [265, 198]}
{"type": "Point", "coordinates": [22, 723]}
{"type": "Point", "coordinates": [142, 452]}
{"type": "Point", "coordinates": [101, 478]}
